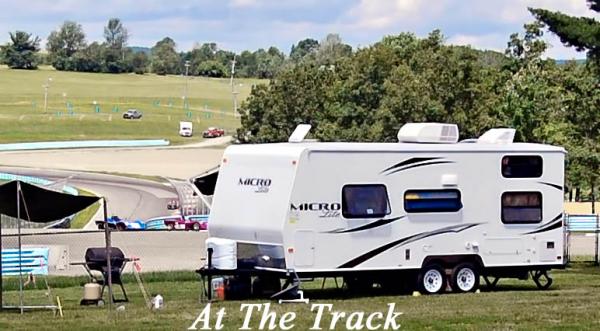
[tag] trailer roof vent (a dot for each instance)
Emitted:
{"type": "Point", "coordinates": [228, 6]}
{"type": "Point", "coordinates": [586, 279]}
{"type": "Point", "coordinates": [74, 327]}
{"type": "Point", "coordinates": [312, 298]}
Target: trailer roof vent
{"type": "Point", "coordinates": [497, 136]}
{"type": "Point", "coordinates": [433, 133]}
{"type": "Point", "coordinates": [299, 133]}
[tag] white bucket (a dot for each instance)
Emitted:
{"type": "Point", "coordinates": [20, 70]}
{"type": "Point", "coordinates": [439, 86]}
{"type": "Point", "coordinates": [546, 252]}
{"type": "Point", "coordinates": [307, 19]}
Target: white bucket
{"type": "Point", "coordinates": [224, 255]}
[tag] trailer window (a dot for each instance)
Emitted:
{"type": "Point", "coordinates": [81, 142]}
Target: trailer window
{"type": "Point", "coordinates": [522, 166]}
{"type": "Point", "coordinates": [521, 207]}
{"type": "Point", "coordinates": [432, 201]}
{"type": "Point", "coordinates": [365, 201]}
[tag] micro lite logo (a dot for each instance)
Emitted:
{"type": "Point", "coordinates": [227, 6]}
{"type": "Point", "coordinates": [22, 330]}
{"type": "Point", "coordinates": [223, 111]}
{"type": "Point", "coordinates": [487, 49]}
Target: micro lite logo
{"type": "Point", "coordinates": [261, 185]}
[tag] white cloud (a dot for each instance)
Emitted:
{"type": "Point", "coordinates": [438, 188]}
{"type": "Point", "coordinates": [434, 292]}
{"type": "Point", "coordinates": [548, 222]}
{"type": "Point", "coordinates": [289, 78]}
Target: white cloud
{"type": "Point", "coordinates": [492, 41]}
{"type": "Point", "coordinates": [242, 3]}
{"type": "Point", "coordinates": [373, 14]}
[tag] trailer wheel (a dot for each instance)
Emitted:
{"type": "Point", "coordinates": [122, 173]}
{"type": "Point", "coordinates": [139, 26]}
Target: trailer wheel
{"type": "Point", "coordinates": [465, 278]}
{"type": "Point", "coordinates": [541, 279]}
{"type": "Point", "coordinates": [432, 279]}
{"type": "Point", "coordinates": [196, 226]}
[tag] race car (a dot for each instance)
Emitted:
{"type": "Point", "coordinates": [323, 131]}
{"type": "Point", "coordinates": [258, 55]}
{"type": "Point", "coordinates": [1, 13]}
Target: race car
{"type": "Point", "coordinates": [213, 132]}
{"type": "Point", "coordinates": [190, 222]}
{"type": "Point", "coordinates": [201, 220]}
{"type": "Point", "coordinates": [117, 223]}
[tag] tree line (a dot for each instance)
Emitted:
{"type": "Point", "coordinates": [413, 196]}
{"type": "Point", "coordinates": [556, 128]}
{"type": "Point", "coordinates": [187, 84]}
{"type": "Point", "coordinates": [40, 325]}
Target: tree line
{"type": "Point", "coordinates": [369, 94]}
{"type": "Point", "coordinates": [67, 49]}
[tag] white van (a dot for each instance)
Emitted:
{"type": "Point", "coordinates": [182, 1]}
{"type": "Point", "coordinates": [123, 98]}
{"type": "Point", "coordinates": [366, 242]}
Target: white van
{"type": "Point", "coordinates": [186, 129]}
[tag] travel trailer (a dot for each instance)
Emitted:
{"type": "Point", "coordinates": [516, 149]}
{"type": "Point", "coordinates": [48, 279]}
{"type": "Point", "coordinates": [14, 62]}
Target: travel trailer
{"type": "Point", "coordinates": [428, 211]}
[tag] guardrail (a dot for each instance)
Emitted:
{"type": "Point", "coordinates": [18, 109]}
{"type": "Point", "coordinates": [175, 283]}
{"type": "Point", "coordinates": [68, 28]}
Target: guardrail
{"type": "Point", "coordinates": [583, 223]}
{"type": "Point", "coordinates": [83, 144]}
{"type": "Point", "coordinates": [35, 180]}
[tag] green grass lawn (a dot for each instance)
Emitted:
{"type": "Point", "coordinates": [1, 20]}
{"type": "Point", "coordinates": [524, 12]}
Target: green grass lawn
{"type": "Point", "coordinates": [573, 303]}
{"type": "Point", "coordinates": [83, 217]}
{"type": "Point", "coordinates": [72, 115]}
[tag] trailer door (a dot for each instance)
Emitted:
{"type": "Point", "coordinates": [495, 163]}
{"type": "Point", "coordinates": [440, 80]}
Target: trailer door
{"type": "Point", "coordinates": [304, 247]}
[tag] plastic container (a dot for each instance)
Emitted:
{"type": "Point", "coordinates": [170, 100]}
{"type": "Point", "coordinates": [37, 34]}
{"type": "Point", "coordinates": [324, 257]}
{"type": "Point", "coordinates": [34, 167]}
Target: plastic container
{"type": "Point", "coordinates": [92, 291]}
{"type": "Point", "coordinates": [218, 288]}
{"type": "Point", "coordinates": [224, 255]}
{"type": "Point", "coordinates": [157, 302]}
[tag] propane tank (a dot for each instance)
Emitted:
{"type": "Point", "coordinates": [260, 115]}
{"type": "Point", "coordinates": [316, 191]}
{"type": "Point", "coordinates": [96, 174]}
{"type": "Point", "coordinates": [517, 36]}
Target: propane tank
{"type": "Point", "coordinates": [92, 291]}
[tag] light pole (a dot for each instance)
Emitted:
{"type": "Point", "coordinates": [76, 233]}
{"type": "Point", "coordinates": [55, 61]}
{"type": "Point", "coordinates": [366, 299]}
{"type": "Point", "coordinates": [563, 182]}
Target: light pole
{"type": "Point", "coordinates": [46, 87]}
{"type": "Point", "coordinates": [234, 93]}
{"type": "Point", "coordinates": [185, 92]}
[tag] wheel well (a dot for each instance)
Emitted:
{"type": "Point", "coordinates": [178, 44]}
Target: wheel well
{"type": "Point", "coordinates": [449, 261]}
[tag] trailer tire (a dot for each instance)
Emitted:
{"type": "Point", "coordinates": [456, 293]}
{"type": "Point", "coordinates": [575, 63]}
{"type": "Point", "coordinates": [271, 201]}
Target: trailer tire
{"type": "Point", "coordinates": [465, 278]}
{"type": "Point", "coordinates": [432, 279]}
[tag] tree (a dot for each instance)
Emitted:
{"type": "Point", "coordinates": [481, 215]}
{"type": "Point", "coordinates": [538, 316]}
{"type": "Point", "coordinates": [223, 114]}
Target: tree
{"type": "Point", "coordinates": [90, 59]}
{"type": "Point", "coordinates": [139, 62]}
{"type": "Point", "coordinates": [64, 43]}
{"type": "Point", "coordinates": [331, 49]}
{"type": "Point", "coordinates": [583, 33]}
{"type": "Point", "coordinates": [20, 51]}
{"type": "Point", "coordinates": [165, 59]}
{"type": "Point", "coordinates": [115, 34]}
{"type": "Point", "coordinates": [304, 48]}
{"type": "Point", "coordinates": [211, 68]}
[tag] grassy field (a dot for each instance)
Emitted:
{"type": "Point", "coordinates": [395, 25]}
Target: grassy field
{"type": "Point", "coordinates": [573, 303]}
{"type": "Point", "coordinates": [83, 217]}
{"type": "Point", "coordinates": [90, 105]}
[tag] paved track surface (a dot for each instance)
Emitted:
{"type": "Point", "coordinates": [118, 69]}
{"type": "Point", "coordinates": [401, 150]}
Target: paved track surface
{"type": "Point", "coordinates": [180, 162]}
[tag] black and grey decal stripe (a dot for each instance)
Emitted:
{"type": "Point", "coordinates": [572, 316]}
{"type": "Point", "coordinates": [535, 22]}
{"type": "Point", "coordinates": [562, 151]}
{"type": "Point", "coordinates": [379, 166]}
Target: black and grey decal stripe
{"type": "Point", "coordinates": [409, 162]}
{"type": "Point", "coordinates": [403, 241]}
{"type": "Point", "coordinates": [556, 186]}
{"type": "Point", "coordinates": [368, 226]}
{"type": "Point", "coordinates": [419, 165]}
{"type": "Point", "coordinates": [414, 162]}
{"type": "Point", "coordinates": [555, 223]}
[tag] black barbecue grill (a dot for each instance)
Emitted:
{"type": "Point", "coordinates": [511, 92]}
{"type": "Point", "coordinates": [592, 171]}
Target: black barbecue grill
{"type": "Point", "coordinates": [96, 260]}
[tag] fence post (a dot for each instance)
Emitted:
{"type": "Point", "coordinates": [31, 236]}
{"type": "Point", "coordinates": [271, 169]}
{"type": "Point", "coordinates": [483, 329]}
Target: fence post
{"type": "Point", "coordinates": [596, 251]}
{"type": "Point", "coordinates": [567, 237]}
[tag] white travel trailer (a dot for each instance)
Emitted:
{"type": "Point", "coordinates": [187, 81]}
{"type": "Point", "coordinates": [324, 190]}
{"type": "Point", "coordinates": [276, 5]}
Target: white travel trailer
{"type": "Point", "coordinates": [429, 210]}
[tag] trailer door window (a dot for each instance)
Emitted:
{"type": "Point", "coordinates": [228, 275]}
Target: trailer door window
{"type": "Point", "coordinates": [432, 201]}
{"type": "Point", "coordinates": [522, 166]}
{"type": "Point", "coordinates": [365, 201]}
{"type": "Point", "coordinates": [521, 207]}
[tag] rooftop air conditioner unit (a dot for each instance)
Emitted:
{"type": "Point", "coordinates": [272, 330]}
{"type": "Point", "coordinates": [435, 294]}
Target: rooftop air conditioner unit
{"type": "Point", "coordinates": [497, 136]}
{"type": "Point", "coordinates": [433, 133]}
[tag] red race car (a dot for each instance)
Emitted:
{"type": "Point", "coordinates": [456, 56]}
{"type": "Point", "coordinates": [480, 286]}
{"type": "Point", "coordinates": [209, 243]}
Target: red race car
{"type": "Point", "coordinates": [213, 132]}
{"type": "Point", "coordinates": [191, 222]}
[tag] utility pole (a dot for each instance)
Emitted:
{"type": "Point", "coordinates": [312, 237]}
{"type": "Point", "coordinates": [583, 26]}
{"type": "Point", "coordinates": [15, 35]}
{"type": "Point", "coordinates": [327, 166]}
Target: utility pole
{"type": "Point", "coordinates": [234, 93]}
{"type": "Point", "coordinates": [185, 93]}
{"type": "Point", "coordinates": [46, 87]}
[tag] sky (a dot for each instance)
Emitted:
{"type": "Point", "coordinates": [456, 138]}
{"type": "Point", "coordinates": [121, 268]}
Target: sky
{"type": "Point", "coordinates": [251, 24]}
